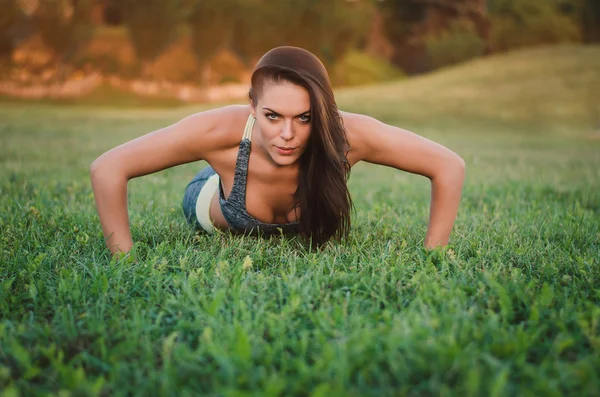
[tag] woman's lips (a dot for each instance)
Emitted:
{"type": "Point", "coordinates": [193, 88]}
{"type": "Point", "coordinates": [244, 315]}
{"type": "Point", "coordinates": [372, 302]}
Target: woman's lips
{"type": "Point", "coordinates": [285, 151]}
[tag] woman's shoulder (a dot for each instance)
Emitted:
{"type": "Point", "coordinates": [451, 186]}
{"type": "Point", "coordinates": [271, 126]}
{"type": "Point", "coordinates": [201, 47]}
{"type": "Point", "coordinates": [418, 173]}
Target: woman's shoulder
{"type": "Point", "coordinates": [357, 123]}
{"type": "Point", "coordinates": [356, 126]}
{"type": "Point", "coordinates": [223, 125]}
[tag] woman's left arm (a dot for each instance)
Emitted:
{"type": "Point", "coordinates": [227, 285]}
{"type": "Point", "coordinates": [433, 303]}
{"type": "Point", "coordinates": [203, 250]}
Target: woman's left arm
{"type": "Point", "coordinates": [380, 143]}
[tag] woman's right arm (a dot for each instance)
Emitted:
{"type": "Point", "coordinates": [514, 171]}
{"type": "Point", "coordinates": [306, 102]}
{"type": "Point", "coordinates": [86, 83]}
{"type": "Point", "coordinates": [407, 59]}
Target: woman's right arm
{"type": "Point", "coordinates": [194, 138]}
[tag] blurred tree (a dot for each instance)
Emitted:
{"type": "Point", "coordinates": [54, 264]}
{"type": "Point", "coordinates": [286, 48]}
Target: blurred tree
{"type": "Point", "coordinates": [64, 27]}
{"type": "Point", "coordinates": [153, 24]}
{"type": "Point", "coordinates": [410, 24]}
{"type": "Point", "coordinates": [521, 23]}
{"type": "Point", "coordinates": [571, 8]}
{"type": "Point", "coordinates": [402, 17]}
{"type": "Point", "coordinates": [11, 13]}
{"type": "Point", "coordinates": [583, 13]}
{"type": "Point", "coordinates": [113, 14]}
{"type": "Point", "coordinates": [345, 26]}
{"type": "Point", "coordinates": [459, 43]}
{"type": "Point", "coordinates": [328, 28]}
{"type": "Point", "coordinates": [211, 23]}
{"type": "Point", "coordinates": [256, 27]}
{"type": "Point", "coordinates": [402, 20]}
{"type": "Point", "coordinates": [590, 18]}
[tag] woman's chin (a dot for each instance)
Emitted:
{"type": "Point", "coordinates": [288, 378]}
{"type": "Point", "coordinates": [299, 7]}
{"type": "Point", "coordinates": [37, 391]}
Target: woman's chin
{"type": "Point", "coordinates": [283, 160]}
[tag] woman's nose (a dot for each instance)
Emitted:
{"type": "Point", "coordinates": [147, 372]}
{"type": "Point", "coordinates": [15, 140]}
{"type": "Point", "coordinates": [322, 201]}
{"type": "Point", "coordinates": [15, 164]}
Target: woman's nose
{"type": "Point", "coordinates": [287, 132]}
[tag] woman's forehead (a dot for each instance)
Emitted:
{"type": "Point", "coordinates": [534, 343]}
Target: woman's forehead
{"type": "Point", "coordinates": [285, 98]}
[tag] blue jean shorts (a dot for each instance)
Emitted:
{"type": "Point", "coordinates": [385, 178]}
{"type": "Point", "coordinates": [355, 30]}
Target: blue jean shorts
{"type": "Point", "coordinates": [192, 191]}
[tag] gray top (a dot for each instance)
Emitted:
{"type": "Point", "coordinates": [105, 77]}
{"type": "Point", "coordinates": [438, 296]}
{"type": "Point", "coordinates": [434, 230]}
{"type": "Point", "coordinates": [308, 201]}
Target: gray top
{"type": "Point", "coordinates": [234, 208]}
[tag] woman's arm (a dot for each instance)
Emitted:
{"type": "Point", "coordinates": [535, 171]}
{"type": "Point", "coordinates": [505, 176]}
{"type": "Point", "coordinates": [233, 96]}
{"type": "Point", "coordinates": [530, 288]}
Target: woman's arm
{"type": "Point", "coordinates": [379, 143]}
{"type": "Point", "coordinates": [193, 138]}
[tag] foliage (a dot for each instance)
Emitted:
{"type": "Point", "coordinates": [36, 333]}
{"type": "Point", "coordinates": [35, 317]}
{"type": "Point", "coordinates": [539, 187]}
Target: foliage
{"type": "Point", "coordinates": [64, 26]}
{"type": "Point", "coordinates": [177, 63]}
{"type": "Point", "coordinates": [457, 44]}
{"type": "Point", "coordinates": [590, 18]}
{"type": "Point", "coordinates": [110, 51]}
{"type": "Point", "coordinates": [153, 24]}
{"type": "Point", "coordinates": [9, 16]}
{"type": "Point", "coordinates": [341, 27]}
{"type": "Point", "coordinates": [328, 28]}
{"type": "Point", "coordinates": [410, 24]}
{"type": "Point", "coordinates": [211, 23]}
{"type": "Point", "coordinates": [401, 22]}
{"type": "Point", "coordinates": [423, 33]}
{"type": "Point", "coordinates": [359, 68]}
{"type": "Point", "coordinates": [521, 23]}
{"type": "Point", "coordinates": [401, 18]}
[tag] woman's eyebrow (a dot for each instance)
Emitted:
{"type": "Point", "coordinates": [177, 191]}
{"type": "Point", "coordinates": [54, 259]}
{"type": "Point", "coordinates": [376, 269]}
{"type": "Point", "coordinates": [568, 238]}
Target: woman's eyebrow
{"type": "Point", "coordinates": [279, 114]}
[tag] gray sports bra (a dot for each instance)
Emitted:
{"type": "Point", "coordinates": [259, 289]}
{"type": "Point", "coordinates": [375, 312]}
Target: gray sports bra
{"type": "Point", "coordinates": [234, 208]}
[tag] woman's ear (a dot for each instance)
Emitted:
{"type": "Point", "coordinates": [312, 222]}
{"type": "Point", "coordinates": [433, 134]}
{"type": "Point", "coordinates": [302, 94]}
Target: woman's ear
{"type": "Point", "coordinates": [252, 100]}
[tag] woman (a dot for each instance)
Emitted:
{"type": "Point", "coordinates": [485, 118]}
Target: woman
{"type": "Point", "coordinates": [287, 171]}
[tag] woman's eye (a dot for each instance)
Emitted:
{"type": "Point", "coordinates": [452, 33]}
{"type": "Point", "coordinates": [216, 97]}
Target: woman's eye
{"type": "Point", "coordinates": [271, 116]}
{"type": "Point", "coordinates": [305, 118]}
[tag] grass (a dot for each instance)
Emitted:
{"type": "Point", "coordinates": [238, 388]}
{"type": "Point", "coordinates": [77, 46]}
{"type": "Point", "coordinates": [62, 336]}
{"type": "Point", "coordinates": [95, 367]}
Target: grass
{"type": "Point", "coordinates": [511, 308]}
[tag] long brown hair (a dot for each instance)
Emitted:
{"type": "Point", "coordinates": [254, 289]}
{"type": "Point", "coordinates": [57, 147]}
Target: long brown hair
{"type": "Point", "coordinates": [322, 194]}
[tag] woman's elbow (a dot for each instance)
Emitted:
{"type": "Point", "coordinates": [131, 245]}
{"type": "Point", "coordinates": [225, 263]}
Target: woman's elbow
{"type": "Point", "coordinates": [459, 166]}
{"type": "Point", "coordinates": [458, 169]}
{"type": "Point", "coordinates": [103, 167]}
{"type": "Point", "coordinates": [452, 170]}
{"type": "Point", "coordinates": [95, 167]}
{"type": "Point", "coordinates": [98, 167]}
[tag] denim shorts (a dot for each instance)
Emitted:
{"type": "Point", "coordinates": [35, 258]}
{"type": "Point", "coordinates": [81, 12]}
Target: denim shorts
{"type": "Point", "coordinates": [192, 191]}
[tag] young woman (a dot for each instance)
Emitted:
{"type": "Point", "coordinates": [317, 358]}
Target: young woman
{"type": "Point", "coordinates": [279, 164]}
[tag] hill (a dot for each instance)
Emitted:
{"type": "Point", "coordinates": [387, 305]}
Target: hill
{"type": "Point", "coordinates": [548, 85]}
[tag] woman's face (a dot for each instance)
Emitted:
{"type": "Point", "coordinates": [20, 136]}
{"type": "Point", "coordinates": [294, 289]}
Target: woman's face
{"type": "Point", "coordinates": [282, 114]}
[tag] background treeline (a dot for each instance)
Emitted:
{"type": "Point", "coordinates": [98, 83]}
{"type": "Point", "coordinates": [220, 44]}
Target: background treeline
{"type": "Point", "coordinates": [360, 40]}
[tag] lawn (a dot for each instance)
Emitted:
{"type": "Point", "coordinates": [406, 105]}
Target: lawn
{"type": "Point", "coordinates": [511, 307]}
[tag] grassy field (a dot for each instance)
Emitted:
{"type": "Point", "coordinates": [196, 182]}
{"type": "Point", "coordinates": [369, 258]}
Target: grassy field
{"type": "Point", "coordinates": [511, 308]}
